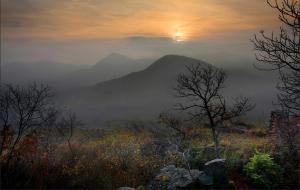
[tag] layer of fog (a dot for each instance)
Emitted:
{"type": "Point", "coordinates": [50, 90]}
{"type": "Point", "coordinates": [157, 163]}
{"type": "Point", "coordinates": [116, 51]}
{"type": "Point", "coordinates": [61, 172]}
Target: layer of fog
{"type": "Point", "coordinates": [75, 67]}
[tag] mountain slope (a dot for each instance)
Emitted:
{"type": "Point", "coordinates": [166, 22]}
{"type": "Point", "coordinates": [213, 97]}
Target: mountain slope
{"type": "Point", "coordinates": [146, 93]}
{"type": "Point", "coordinates": [137, 95]}
{"type": "Point", "coordinates": [160, 75]}
{"type": "Point", "coordinates": [113, 66]}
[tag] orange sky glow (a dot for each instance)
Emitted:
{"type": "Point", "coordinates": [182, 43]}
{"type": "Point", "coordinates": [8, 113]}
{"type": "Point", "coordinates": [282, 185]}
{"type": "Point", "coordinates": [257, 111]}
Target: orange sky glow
{"type": "Point", "coordinates": [103, 19]}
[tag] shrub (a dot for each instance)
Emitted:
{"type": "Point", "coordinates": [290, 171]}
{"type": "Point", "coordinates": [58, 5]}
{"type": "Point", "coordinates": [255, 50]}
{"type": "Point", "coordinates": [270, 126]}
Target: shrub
{"type": "Point", "coordinates": [263, 171]}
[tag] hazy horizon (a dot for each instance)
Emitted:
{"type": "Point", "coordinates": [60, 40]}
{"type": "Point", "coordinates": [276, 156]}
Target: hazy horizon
{"type": "Point", "coordinates": [67, 45]}
{"type": "Point", "coordinates": [84, 32]}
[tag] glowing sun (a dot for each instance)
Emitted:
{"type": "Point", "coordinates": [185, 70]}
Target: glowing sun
{"type": "Point", "coordinates": [178, 36]}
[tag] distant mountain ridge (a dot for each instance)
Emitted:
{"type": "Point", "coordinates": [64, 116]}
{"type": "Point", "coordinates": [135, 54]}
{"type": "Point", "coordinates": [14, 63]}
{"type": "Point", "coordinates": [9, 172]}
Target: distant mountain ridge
{"type": "Point", "coordinates": [146, 93]}
{"type": "Point", "coordinates": [140, 94]}
{"type": "Point", "coordinates": [113, 59]}
{"type": "Point", "coordinates": [112, 66]}
{"type": "Point", "coordinates": [120, 88]}
{"type": "Point", "coordinates": [67, 76]}
{"type": "Point", "coordinates": [162, 72]}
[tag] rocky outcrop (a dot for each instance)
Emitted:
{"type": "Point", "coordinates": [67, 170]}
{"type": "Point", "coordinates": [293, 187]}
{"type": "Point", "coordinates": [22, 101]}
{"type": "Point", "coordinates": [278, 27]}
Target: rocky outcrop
{"type": "Point", "coordinates": [216, 169]}
{"type": "Point", "coordinates": [171, 178]}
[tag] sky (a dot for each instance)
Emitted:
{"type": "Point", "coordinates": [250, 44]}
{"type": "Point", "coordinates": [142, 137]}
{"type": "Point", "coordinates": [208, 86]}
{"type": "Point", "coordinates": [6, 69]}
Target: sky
{"type": "Point", "coordinates": [83, 31]}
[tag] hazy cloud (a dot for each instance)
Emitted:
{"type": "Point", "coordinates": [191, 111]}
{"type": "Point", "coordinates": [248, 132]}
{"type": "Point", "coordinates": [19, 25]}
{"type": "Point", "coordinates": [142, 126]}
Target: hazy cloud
{"type": "Point", "coordinates": [102, 19]}
{"type": "Point", "coordinates": [83, 32]}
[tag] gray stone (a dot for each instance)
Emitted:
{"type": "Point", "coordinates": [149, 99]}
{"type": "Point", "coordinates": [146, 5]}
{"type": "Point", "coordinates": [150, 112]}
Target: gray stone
{"type": "Point", "coordinates": [216, 169]}
{"type": "Point", "coordinates": [173, 178]}
{"type": "Point", "coordinates": [205, 180]}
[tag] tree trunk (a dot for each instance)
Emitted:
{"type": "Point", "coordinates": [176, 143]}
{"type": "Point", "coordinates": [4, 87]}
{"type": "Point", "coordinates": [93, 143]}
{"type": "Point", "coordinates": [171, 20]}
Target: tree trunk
{"type": "Point", "coordinates": [216, 142]}
{"type": "Point", "coordinates": [213, 130]}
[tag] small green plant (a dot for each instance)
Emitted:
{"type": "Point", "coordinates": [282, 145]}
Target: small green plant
{"type": "Point", "coordinates": [263, 171]}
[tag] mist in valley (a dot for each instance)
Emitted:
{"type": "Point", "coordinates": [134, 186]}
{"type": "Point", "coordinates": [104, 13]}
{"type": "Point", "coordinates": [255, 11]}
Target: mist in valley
{"type": "Point", "coordinates": [121, 83]}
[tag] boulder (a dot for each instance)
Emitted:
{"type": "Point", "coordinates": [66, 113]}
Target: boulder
{"type": "Point", "coordinates": [205, 180]}
{"type": "Point", "coordinates": [216, 169]}
{"type": "Point", "coordinates": [172, 178]}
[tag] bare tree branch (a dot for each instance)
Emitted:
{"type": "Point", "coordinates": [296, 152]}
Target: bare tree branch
{"type": "Point", "coordinates": [201, 88]}
{"type": "Point", "coordinates": [21, 111]}
{"type": "Point", "coordinates": [282, 53]}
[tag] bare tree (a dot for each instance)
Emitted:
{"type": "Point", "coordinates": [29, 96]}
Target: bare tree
{"type": "Point", "coordinates": [22, 110]}
{"type": "Point", "coordinates": [281, 52]}
{"type": "Point", "coordinates": [201, 88]}
{"type": "Point", "coordinates": [29, 110]}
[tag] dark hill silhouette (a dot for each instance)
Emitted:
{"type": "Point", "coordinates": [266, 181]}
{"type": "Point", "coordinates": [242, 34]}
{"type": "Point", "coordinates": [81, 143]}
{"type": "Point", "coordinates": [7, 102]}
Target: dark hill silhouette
{"type": "Point", "coordinates": [113, 59]}
{"type": "Point", "coordinates": [146, 93]}
{"type": "Point", "coordinates": [160, 75]}
{"type": "Point", "coordinates": [142, 94]}
{"type": "Point", "coordinates": [113, 66]}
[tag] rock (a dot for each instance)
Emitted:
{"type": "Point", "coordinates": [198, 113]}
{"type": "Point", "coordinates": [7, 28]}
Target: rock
{"type": "Point", "coordinates": [205, 180]}
{"type": "Point", "coordinates": [171, 178]}
{"type": "Point", "coordinates": [126, 188]}
{"type": "Point", "coordinates": [217, 171]}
